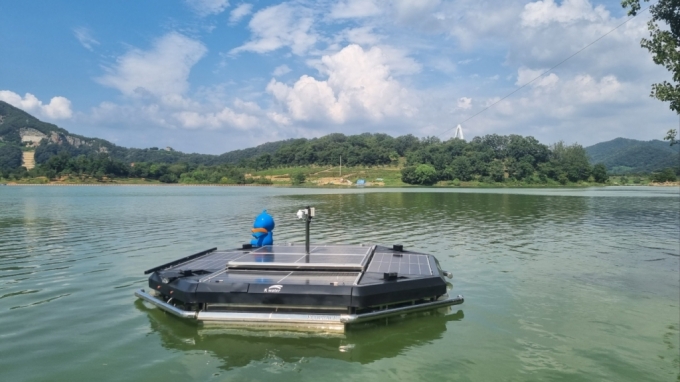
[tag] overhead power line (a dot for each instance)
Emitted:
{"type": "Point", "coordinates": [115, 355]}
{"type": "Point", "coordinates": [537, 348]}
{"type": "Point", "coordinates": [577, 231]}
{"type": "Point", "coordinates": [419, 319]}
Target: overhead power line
{"type": "Point", "coordinates": [545, 72]}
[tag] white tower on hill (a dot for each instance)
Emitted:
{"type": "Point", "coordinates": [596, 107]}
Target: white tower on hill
{"type": "Point", "coordinates": [459, 133]}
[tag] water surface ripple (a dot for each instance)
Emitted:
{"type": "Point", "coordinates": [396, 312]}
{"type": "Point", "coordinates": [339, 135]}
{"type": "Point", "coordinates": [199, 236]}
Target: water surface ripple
{"type": "Point", "coordinates": [561, 284]}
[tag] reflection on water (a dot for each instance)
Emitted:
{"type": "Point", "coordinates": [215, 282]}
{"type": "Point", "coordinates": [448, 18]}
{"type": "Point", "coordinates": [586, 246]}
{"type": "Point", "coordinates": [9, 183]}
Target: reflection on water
{"type": "Point", "coordinates": [363, 344]}
{"type": "Point", "coordinates": [559, 284]}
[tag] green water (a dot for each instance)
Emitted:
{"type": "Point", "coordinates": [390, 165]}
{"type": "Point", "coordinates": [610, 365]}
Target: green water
{"type": "Point", "coordinates": [573, 285]}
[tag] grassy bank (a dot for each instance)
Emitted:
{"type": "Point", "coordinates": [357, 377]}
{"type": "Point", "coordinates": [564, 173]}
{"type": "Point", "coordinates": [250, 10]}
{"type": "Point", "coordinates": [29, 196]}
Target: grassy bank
{"type": "Point", "coordinates": [317, 176]}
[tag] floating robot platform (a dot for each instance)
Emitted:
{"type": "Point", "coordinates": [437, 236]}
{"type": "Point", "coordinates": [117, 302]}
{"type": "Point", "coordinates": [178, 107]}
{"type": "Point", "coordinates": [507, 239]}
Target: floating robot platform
{"type": "Point", "coordinates": [307, 286]}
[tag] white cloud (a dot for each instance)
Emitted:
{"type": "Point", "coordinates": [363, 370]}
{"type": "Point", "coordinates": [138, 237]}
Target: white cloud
{"type": "Point", "coordinates": [525, 75]}
{"type": "Point", "coordinates": [546, 11]}
{"type": "Point", "coordinates": [359, 85]}
{"type": "Point", "coordinates": [281, 70]}
{"type": "Point", "coordinates": [84, 36]}
{"type": "Point", "coordinates": [280, 26]}
{"type": "Point", "coordinates": [352, 9]}
{"type": "Point", "coordinates": [160, 71]}
{"type": "Point", "coordinates": [215, 120]}
{"type": "Point", "coordinates": [415, 10]}
{"type": "Point", "coordinates": [279, 118]}
{"type": "Point", "coordinates": [58, 108]}
{"type": "Point", "coordinates": [240, 12]}
{"type": "Point", "coordinates": [361, 35]}
{"type": "Point", "coordinates": [464, 103]}
{"type": "Point", "coordinates": [398, 61]}
{"type": "Point", "coordinates": [182, 113]}
{"type": "Point", "coordinates": [586, 89]}
{"type": "Point", "coordinates": [207, 7]}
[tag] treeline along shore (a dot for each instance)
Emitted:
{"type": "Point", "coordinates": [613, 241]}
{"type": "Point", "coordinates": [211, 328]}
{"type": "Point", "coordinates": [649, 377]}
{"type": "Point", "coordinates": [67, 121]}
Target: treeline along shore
{"type": "Point", "coordinates": [491, 160]}
{"type": "Point", "coordinates": [32, 151]}
{"type": "Point", "coordinates": [382, 159]}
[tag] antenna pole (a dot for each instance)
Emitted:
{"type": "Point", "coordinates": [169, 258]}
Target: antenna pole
{"type": "Point", "coordinates": [308, 220]}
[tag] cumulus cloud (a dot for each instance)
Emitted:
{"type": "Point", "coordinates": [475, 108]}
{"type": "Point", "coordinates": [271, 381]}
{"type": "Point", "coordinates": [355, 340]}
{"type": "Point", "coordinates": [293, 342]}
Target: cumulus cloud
{"type": "Point", "coordinates": [216, 120]}
{"type": "Point", "coordinates": [281, 70]}
{"type": "Point", "coordinates": [207, 7]}
{"type": "Point", "coordinates": [464, 103]}
{"type": "Point", "coordinates": [350, 9]}
{"type": "Point", "coordinates": [58, 108]}
{"type": "Point", "coordinates": [240, 12]}
{"type": "Point", "coordinates": [361, 35]}
{"type": "Point", "coordinates": [160, 71]}
{"type": "Point", "coordinates": [359, 85]}
{"type": "Point", "coordinates": [183, 113]}
{"type": "Point", "coordinates": [546, 11]}
{"type": "Point", "coordinates": [526, 75]}
{"type": "Point", "coordinates": [279, 26]}
{"type": "Point", "coordinates": [84, 36]}
{"type": "Point", "coordinates": [416, 11]}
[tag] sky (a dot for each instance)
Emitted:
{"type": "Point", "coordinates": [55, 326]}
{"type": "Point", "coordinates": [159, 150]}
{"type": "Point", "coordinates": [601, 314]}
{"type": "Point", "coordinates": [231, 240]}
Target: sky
{"type": "Point", "coordinates": [211, 76]}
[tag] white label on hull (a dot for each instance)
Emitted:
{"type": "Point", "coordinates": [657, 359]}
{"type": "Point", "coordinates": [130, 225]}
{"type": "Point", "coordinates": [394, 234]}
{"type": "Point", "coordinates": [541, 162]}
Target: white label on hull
{"type": "Point", "coordinates": [273, 289]}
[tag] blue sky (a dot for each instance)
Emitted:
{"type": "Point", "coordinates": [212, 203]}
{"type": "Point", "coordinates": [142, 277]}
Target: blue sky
{"type": "Point", "coordinates": [212, 76]}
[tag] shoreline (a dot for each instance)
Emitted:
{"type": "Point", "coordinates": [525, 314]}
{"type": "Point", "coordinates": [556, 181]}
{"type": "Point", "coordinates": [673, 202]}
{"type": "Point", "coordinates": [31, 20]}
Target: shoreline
{"type": "Point", "coordinates": [666, 184]}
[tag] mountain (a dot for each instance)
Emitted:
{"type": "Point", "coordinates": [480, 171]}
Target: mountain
{"type": "Point", "coordinates": [630, 156]}
{"type": "Point", "coordinates": [19, 129]}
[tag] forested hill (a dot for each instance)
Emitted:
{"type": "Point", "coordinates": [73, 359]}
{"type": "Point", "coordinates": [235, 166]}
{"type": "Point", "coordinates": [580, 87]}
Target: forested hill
{"type": "Point", "coordinates": [19, 129]}
{"type": "Point", "coordinates": [630, 156]}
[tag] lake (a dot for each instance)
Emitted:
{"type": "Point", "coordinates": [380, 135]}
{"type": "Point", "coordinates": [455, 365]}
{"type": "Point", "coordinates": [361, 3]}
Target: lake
{"type": "Point", "coordinates": [559, 284]}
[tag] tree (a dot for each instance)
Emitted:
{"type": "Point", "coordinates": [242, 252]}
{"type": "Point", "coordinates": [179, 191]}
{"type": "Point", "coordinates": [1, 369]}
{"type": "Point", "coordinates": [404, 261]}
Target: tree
{"type": "Point", "coordinates": [298, 178]}
{"type": "Point", "coordinates": [426, 174]}
{"type": "Point", "coordinates": [667, 175]}
{"type": "Point", "coordinates": [460, 168]}
{"type": "Point", "coordinates": [521, 169]}
{"type": "Point", "coordinates": [10, 158]}
{"type": "Point", "coordinates": [600, 173]}
{"type": "Point", "coordinates": [496, 171]}
{"type": "Point", "coordinates": [664, 46]}
{"type": "Point", "coordinates": [408, 175]}
{"type": "Point", "coordinates": [569, 163]}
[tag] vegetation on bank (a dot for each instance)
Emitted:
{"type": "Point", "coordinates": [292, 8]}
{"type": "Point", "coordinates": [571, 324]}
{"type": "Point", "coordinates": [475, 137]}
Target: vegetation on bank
{"type": "Point", "coordinates": [379, 159]}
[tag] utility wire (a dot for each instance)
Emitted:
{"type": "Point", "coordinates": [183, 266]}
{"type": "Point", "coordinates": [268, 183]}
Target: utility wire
{"type": "Point", "coordinates": [546, 72]}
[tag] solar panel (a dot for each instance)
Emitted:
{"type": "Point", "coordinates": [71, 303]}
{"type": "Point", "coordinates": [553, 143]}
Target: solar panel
{"type": "Point", "coordinates": [345, 257]}
{"type": "Point", "coordinates": [213, 261]}
{"type": "Point", "coordinates": [289, 261]}
{"type": "Point", "coordinates": [276, 277]}
{"type": "Point", "coordinates": [400, 262]}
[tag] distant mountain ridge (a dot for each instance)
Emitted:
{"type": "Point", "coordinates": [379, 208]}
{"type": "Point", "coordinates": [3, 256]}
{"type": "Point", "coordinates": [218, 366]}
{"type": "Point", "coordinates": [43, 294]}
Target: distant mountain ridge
{"type": "Point", "coordinates": [629, 156]}
{"type": "Point", "coordinates": [18, 128]}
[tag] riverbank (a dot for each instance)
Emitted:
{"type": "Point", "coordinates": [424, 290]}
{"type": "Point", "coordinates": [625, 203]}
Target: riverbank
{"type": "Point", "coordinates": [344, 186]}
{"type": "Point", "coordinates": [334, 177]}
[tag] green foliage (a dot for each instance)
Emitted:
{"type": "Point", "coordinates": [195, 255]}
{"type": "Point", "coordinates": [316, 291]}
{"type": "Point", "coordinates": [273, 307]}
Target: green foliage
{"type": "Point", "coordinates": [487, 159]}
{"type": "Point", "coordinates": [408, 175]}
{"type": "Point", "coordinates": [630, 156]}
{"type": "Point", "coordinates": [521, 169]}
{"type": "Point", "coordinates": [667, 175]}
{"type": "Point", "coordinates": [600, 173]}
{"type": "Point", "coordinates": [495, 171]}
{"type": "Point", "coordinates": [14, 119]}
{"type": "Point", "coordinates": [664, 45]}
{"type": "Point", "coordinates": [570, 161]}
{"type": "Point", "coordinates": [223, 174]}
{"type": "Point", "coordinates": [10, 158]}
{"type": "Point", "coordinates": [298, 178]}
{"type": "Point", "coordinates": [425, 175]}
{"type": "Point", "coordinates": [97, 166]}
{"type": "Point", "coordinates": [460, 168]}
